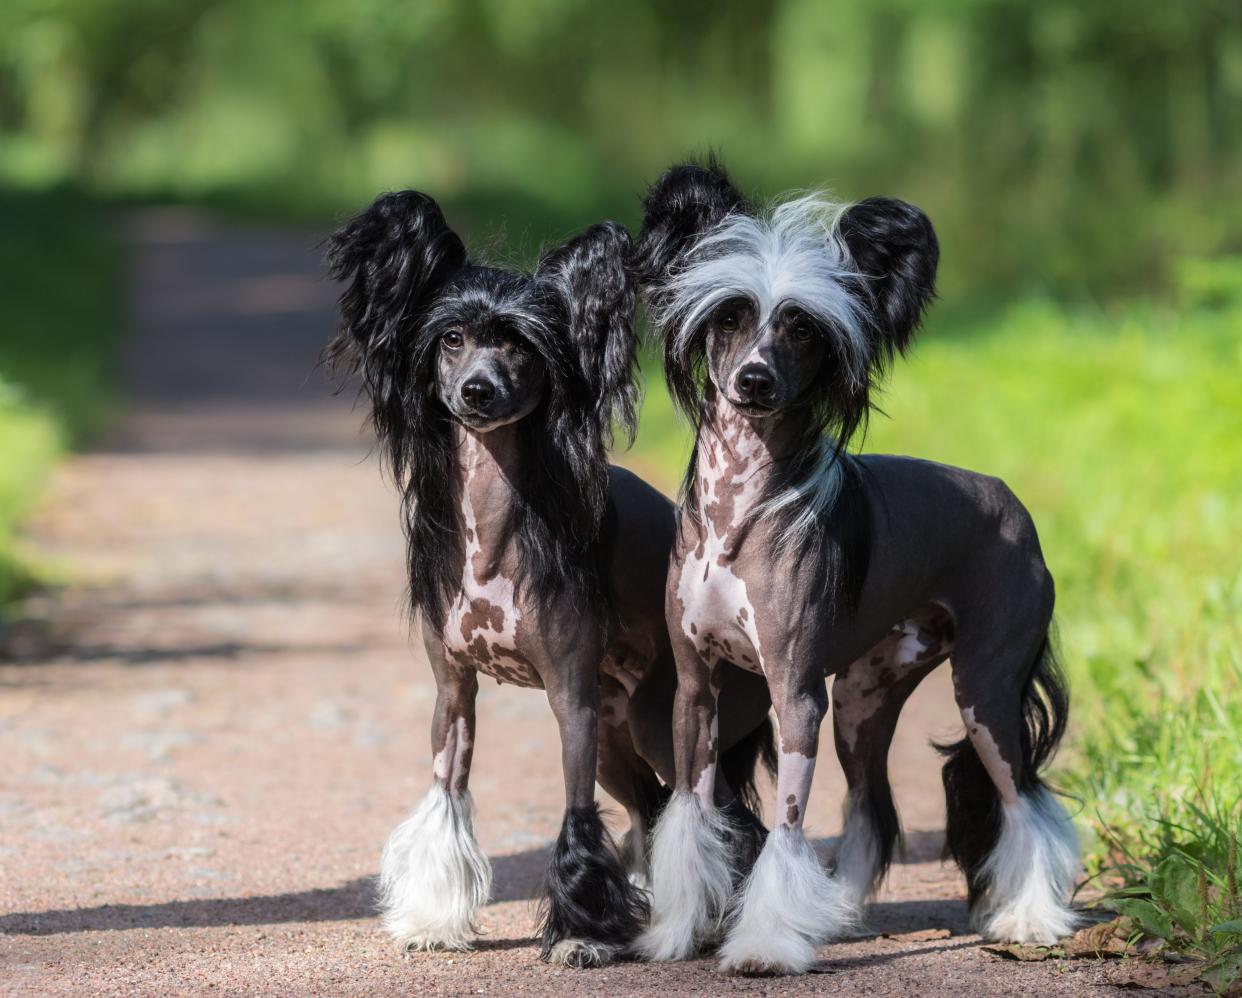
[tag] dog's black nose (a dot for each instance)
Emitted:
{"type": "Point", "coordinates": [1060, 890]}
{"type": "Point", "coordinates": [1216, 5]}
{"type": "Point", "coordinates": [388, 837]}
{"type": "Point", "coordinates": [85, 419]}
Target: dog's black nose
{"type": "Point", "coordinates": [477, 392]}
{"type": "Point", "coordinates": [754, 383]}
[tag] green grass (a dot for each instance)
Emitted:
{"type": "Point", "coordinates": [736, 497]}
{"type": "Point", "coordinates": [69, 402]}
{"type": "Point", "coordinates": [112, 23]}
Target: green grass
{"type": "Point", "coordinates": [60, 285]}
{"type": "Point", "coordinates": [1122, 431]}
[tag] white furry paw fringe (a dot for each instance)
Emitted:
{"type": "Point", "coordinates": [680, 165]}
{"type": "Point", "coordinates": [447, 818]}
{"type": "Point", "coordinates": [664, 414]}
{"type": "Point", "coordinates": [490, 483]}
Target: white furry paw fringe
{"type": "Point", "coordinates": [433, 875]}
{"type": "Point", "coordinates": [789, 907]}
{"type": "Point", "coordinates": [691, 880]}
{"type": "Point", "coordinates": [1029, 874]}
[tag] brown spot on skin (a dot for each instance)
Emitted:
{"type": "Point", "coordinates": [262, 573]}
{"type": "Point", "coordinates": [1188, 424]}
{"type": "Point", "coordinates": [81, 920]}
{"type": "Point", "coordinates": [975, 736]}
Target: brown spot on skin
{"type": "Point", "coordinates": [743, 613]}
{"type": "Point", "coordinates": [886, 678]}
{"type": "Point", "coordinates": [792, 813]}
{"type": "Point", "coordinates": [706, 566]}
{"type": "Point", "coordinates": [482, 616]}
{"type": "Point", "coordinates": [480, 650]}
{"type": "Point", "coordinates": [694, 628]}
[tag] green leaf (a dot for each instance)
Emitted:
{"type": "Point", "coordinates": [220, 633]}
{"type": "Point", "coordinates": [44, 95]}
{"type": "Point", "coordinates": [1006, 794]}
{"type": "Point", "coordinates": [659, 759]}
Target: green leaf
{"type": "Point", "coordinates": [1151, 919]}
{"type": "Point", "coordinates": [1174, 888]}
{"type": "Point", "coordinates": [1232, 927]}
{"type": "Point", "coordinates": [1223, 971]}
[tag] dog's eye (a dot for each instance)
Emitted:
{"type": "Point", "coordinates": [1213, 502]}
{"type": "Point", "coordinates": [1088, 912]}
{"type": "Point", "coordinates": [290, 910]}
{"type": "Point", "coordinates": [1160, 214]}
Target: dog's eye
{"type": "Point", "coordinates": [452, 339]}
{"type": "Point", "coordinates": [728, 322]}
{"type": "Point", "coordinates": [802, 331]}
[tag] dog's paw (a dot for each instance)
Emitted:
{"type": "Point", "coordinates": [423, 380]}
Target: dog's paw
{"type": "Point", "coordinates": [757, 967]}
{"type": "Point", "coordinates": [580, 954]}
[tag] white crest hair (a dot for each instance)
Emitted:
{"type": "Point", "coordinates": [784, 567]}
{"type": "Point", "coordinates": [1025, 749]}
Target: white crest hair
{"type": "Point", "coordinates": [812, 496]}
{"type": "Point", "coordinates": [433, 875]}
{"type": "Point", "coordinates": [792, 255]}
{"type": "Point", "coordinates": [789, 907]}
{"type": "Point", "coordinates": [1029, 873]}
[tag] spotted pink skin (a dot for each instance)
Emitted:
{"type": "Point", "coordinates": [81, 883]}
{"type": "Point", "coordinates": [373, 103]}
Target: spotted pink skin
{"type": "Point", "coordinates": [494, 631]}
{"type": "Point", "coordinates": [733, 597]}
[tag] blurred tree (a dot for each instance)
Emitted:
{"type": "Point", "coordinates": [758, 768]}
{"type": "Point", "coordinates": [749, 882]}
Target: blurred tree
{"type": "Point", "coordinates": [1066, 146]}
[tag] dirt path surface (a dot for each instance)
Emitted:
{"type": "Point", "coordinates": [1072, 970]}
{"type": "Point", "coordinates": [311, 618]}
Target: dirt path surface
{"type": "Point", "coordinates": [209, 734]}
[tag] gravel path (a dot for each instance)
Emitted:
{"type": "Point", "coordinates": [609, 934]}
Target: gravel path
{"type": "Point", "coordinates": [209, 733]}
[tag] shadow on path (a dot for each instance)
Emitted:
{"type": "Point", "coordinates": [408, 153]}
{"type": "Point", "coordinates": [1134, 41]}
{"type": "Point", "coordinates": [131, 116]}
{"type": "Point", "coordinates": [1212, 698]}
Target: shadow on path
{"type": "Point", "coordinates": [517, 878]}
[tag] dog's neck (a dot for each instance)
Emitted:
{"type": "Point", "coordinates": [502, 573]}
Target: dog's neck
{"type": "Point", "coordinates": [735, 460]}
{"type": "Point", "coordinates": [488, 466]}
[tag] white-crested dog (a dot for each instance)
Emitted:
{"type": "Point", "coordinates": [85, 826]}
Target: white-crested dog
{"type": "Point", "coordinates": [797, 561]}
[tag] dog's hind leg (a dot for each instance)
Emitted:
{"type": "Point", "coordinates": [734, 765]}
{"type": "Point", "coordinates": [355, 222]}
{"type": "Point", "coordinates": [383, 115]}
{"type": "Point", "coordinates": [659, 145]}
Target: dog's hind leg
{"type": "Point", "coordinates": [789, 905]}
{"type": "Point", "coordinates": [627, 778]}
{"type": "Point", "coordinates": [591, 912]}
{"type": "Point", "coordinates": [433, 875]}
{"type": "Point", "coordinates": [1007, 831]}
{"type": "Point", "coordinates": [867, 698]}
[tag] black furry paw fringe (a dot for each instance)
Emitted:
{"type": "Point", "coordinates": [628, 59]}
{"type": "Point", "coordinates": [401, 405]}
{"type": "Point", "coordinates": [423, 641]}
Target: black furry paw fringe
{"type": "Point", "coordinates": [588, 894]}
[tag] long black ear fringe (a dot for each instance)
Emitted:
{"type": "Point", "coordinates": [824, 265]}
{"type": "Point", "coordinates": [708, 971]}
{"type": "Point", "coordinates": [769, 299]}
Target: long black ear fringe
{"type": "Point", "coordinates": [393, 256]}
{"type": "Point", "coordinates": [590, 280]}
{"type": "Point", "coordinates": [895, 249]}
{"type": "Point", "coordinates": [681, 206]}
{"type": "Point", "coordinates": [589, 896]}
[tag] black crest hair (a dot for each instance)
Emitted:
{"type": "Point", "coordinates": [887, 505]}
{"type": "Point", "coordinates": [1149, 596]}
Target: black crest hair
{"type": "Point", "coordinates": [407, 274]}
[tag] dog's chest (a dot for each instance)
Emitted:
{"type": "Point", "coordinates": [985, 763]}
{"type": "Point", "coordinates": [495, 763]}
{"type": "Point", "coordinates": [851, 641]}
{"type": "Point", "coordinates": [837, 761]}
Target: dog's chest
{"type": "Point", "coordinates": [716, 600]}
{"type": "Point", "coordinates": [484, 625]}
{"type": "Point", "coordinates": [481, 631]}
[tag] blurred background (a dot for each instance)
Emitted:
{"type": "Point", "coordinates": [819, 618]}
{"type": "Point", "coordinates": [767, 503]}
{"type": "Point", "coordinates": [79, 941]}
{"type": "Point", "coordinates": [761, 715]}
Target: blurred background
{"type": "Point", "coordinates": [1082, 163]}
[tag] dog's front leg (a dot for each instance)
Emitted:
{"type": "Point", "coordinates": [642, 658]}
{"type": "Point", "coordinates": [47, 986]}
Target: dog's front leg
{"type": "Point", "coordinates": [592, 912]}
{"type": "Point", "coordinates": [691, 859]}
{"type": "Point", "coordinates": [790, 905]}
{"type": "Point", "coordinates": [433, 875]}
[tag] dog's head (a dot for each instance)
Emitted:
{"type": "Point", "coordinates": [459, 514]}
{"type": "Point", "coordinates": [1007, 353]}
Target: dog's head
{"type": "Point", "coordinates": [799, 306]}
{"type": "Point", "coordinates": [439, 339]}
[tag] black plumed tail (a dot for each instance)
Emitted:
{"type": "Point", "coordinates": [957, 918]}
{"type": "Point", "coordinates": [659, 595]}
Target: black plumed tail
{"type": "Point", "coordinates": [588, 894]}
{"type": "Point", "coordinates": [880, 813]}
{"type": "Point", "coordinates": [973, 803]}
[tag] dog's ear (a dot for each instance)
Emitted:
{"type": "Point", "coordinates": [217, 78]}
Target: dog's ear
{"type": "Point", "coordinates": [595, 290]}
{"type": "Point", "coordinates": [393, 257]}
{"type": "Point", "coordinates": [681, 206]}
{"type": "Point", "coordinates": [894, 247]}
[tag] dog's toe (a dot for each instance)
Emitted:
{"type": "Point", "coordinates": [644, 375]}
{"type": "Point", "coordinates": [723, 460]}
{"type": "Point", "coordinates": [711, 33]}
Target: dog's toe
{"type": "Point", "coordinates": [581, 954]}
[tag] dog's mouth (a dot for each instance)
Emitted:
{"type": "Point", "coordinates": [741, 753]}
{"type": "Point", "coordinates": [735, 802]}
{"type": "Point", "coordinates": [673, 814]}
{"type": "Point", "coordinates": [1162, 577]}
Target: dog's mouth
{"type": "Point", "coordinates": [755, 410]}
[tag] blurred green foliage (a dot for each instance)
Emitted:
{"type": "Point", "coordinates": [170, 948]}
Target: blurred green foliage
{"type": "Point", "coordinates": [61, 288]}
{"type": "Point", "coordinates": [1063, 147]}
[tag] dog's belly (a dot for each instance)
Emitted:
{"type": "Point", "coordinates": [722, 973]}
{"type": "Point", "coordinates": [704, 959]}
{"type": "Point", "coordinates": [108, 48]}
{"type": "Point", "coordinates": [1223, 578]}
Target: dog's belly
{"type": "Point", "coordinates": [717, 613]}
{"type": "Point", "coordinates": [481, 633]}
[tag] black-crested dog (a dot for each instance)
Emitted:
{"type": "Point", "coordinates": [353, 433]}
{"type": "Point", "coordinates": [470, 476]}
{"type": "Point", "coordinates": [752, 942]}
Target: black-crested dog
{"type": "Point", "coordinates": [531, 560]}
{"type": "Point", "coordinates": [799, 561]}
